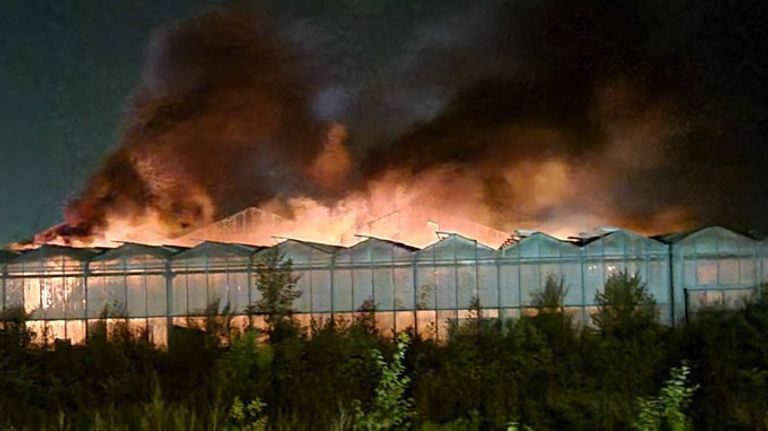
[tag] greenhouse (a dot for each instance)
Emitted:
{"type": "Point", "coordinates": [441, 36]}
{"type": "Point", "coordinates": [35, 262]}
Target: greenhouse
{"type": "Point", "coordinates": [65, 291]}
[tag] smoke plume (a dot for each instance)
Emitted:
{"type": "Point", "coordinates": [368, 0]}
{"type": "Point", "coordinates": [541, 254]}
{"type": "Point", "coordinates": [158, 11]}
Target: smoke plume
{"type": "Point", "coordinates": [220, 122]}
{"type": "Point", "coordinates": [560, 116]}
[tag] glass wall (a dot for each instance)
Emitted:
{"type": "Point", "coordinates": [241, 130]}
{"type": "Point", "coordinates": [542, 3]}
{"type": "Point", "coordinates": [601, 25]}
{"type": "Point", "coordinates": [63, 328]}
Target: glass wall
{"type": "Point", "coordinates": [62, 290]}
{"type": "Point", "coordinates": [212, 278]}
{"type": "Point", "coordinates": [713, 267]}
{"type": "Point", "coordinates": [376, 274]}
{"type": "Point", "coordinates": [128, 284]}
{"type": "Point", "coordinates": [623, 250]}
{"type": "Point", "coordinates": [525, 266]}
{"type": "Point", "coordinates": [48, 285]}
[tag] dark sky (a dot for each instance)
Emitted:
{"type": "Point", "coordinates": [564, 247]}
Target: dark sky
{"type": "Point", "coordinates": [68, 70]}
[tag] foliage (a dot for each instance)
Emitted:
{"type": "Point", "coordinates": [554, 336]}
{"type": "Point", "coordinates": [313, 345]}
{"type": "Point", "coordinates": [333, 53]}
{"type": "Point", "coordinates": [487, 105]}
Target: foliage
{"type": "Point", "coordinates": [248, 417]}
{"type": "Point", "coordinates": [274, 279]}
{"type": "Point", "coordinates": [390, 409]}
{"type": "Point", "coordinates": [552, 297]}
{"type": "Point", "coordinates": [668, 408]}
{"type": "Point", "coordinates": [625, 306]}
{"type": "Point", "coordinates": [539, 372]}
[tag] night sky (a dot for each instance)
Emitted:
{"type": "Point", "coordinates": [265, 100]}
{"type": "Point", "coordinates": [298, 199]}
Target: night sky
{"type": "Point", "coordinates": [394, 72]}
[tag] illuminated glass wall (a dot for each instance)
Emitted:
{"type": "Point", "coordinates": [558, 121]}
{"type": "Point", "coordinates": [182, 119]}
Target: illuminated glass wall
{"type": "Point", "coordinates": [65, 291]}
{"type": "Point", "coordinates": [713, 267]}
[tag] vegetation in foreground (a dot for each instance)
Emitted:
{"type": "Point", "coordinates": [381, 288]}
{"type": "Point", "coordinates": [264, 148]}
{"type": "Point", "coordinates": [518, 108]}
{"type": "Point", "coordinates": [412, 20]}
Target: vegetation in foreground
{"type": "Point", "coordinates": [532, 373]}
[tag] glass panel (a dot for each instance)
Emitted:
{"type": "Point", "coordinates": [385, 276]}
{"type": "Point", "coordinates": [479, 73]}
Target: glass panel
{"type": "Point", "coordinates": [157, 304]}
{"type": "Point", "coordinates": [14, 294]}
{"type": "Point", "coordinates": [116, 295]}
{"type": "Point", "coordinates": [137, 296]}
{"type": "Point", "coordinates": [467, 286]}
{"type": "Point", "coordinates": [706, 272]}
{"type": "Point", "coordinates": [747, 271]}
{"type": "Point", "coordinates": [403, 299]}
{"type": "Point", "coordinates": [404, 320]}
{"type": "Point", "coordinates": [736, 299]}
{"type": "Point", "coordinates": [426, 324]}
{"type": "Point", "coordinates": [218, 292]}
{"type": "Point", "coordinates": [706, 299]}
{"type": "Point", "coordinates": [531, 281]}
{"type": "Point", "coordinates": [302, 303]}
{"type": "Point", "coordinates": [75, 297]}
{"type": "Point", "coordinates": [97, 297]}
{"type": "Point", "coordinates": [342, 290]}
{"type": "Point", "coordinates": [197, 294]}
{"type": "Point", "coordinates": [32, 297]}
{"type": "Point", "coordinates": [238, 292]}
{"type": "Point", "coordinates": [593, 280]}
{"type": "Point", "coordinates": [76, 331]}
{"type": "Point", "coordinates": [321, 291]}
{"type": "Point", "coordinates": [179, 291]}
{"type": "Point", "coordinates": [54, 297]}
{"type": "Point", "coordinates": [158, 331]}
{"type": "Point", "coordinates": [572, 277]}
{"type": "Point", "coordinates": [729, 271]}
{"type": "Point", "coordinates": [426, 291]}
{"type": "Point", "coordinates": [383, 288]}
{"type": "Point", "coordinates": [56, 330]}
{"type": "Point", "coordinates": [488, 285]}
{"type": "Point", "coordinates": [362, 282]}
{"type": "Point", "coordinates": [385, 323]}
{"type": "Point", "coordinates": [445, 282]}
{"type": "Point", "coordinates": [509, 286]}
{"type": "Point", "coordinates": [445, 318]}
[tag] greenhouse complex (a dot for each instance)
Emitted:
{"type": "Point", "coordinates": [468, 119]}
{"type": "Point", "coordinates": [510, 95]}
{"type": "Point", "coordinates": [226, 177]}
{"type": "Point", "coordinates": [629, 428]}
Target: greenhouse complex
{"type": "Point", "coordinates": [65, 290]}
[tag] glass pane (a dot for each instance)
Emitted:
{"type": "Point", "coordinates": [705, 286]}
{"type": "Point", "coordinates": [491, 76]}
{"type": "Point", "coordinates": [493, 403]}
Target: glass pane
{"type": "Point", "coordinates": [75, 297]}
{"type": "Point", "coordinates": [156, 297]}
{"type": "Point", "coordinates": [116, 295]}
{"type": "Point", "coordinates": [218, 291]}
{"type": "Point", "coordinates": [137, 296]}
{"type": "Point", "coordinates": [179, 300]}
{"type": "Point", "coordinates": [362, 284]}
{"type": "Point", "coordinates": [509, 288]}
{"type": "Point", "coordinates": [321, 291]}
{"type": "Point", "coordinates": [488, 285]}
{"type": "Point", "coordinates": [706, 272]}
{"type": "Point", "coordinates": [97, 297]}
{"type": "Point", "coordinates": [384, 288]}
{"type": "Point", "coordinates": [403, 299]}
{"type": "Point", "coordinates": [342, 290]}
{"type": "Point", "coordinates": [238, 292]}
{"type": "Point", "coordinates": [14, 294]}
{"type": "Point", "coordinates": [467, 286]}
{"type": "Point", "coordinates": [32, 303]}
{"type": "Point", "coordinates": [197, 293]}
{"type": "Point", "coordinates": [445, 282]}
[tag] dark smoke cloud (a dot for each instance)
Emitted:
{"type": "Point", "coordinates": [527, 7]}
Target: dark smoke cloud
{"type": "Point", "coordinates": [625, 111]}
{"type": "Point", "coordinates": [221, 121]}
{"type": "Point", "coordinates": [665, 101]}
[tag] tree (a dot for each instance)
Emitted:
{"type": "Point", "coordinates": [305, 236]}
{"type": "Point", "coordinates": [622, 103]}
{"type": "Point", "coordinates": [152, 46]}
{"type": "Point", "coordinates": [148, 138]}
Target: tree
{"type": "Point", "coordinates": [625, 306]}
{"type": "Point", "coordinates": [550, 300]}
{"type": "Point", "coordinates": [275, 281]}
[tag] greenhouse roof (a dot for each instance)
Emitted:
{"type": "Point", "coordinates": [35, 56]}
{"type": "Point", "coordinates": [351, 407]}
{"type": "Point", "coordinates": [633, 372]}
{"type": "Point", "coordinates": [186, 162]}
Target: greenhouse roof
{"type": "Point", "coordinates": [676, 237]}
{"type": "Point", "coordinates": [6, 255]}
{"type": "Point", "coordinates": [218, 247]}
{"type": "Point", "coordinates": [48, 251]}
{"type": "Point", "coordinates": [133, 249]}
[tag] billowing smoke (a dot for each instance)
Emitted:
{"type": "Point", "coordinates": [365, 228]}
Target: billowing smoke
{"type": "Point", "coordinates": [553, 115]}
{"type": "Point", "coordinates": [221, 121]}
{"type": "Point", "coordinates": [633, 114]}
